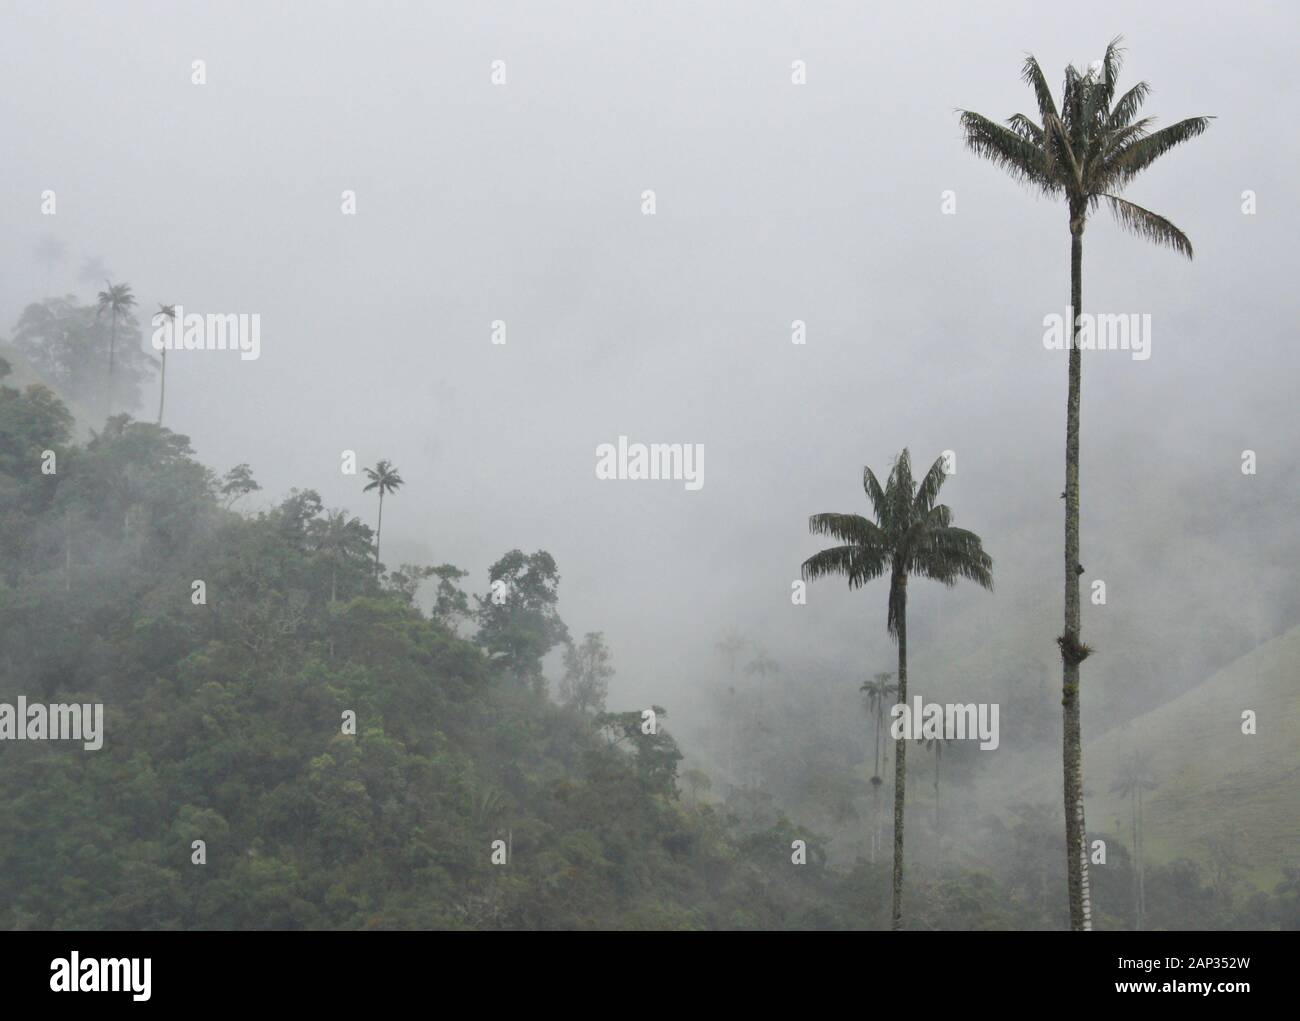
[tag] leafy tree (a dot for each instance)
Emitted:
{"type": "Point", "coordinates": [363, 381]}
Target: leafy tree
{"type": "Point", "coordinates": [1087, 152]}
{"type": "Point", "coordinates": [587, 670]}
{"type": "Point", "coordinates": [913, 534]}
{"type": "Point", "coordinates": [657, 753]}
{"type": "Point", "coordinates": [518, 619]}
{"type": "Point", "coordinates": [383, 477]}
{"type": "Point", "coordinates": [67, 344]}
{"type": "Point", "coordinates": [237, 484]}
{"type": "Point", "coordinates": [339, 541]}
{"type": "Point", "coordinates": [451, 604]}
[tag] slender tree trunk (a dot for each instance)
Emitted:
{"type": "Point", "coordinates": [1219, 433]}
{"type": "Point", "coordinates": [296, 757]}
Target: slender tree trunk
{"type": "Point", "coordinates": [1141, 853]}
{"type": "Point", "coordinates": [1076, 847]}
{"type": "Point", "coordinates": [875, 787]}
{"type": "Point", "coordinates": [1137, 893]}
{"type": "Point", "coordinates": [938, 754]}
{"type": "Point", "coordinates": [379, 529]}
{"type": "Point", "coordinates": [900, 769]}
{"type": "Point", "coordinates": [162, 392]}
{"type": "Point", "coordinates": [112, 345]}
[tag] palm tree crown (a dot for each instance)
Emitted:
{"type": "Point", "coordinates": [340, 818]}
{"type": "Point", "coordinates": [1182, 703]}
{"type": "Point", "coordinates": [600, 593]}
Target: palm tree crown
{"type": "Point", "coordinates": [383, 476]}
{"type": "Point", "coordinates": [1090, 149]}
{"type": "Point", "coordinates": [117, 299]}
{"type": "Point", "coordinates": [912, 535]}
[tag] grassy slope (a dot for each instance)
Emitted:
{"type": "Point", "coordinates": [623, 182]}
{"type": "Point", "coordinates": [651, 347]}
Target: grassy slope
{"type": "Point", "coordinates": [1213, 779]}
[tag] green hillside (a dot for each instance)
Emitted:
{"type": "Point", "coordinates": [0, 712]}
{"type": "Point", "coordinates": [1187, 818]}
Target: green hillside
{"type": "Point", "coordinates": [1217, 788]}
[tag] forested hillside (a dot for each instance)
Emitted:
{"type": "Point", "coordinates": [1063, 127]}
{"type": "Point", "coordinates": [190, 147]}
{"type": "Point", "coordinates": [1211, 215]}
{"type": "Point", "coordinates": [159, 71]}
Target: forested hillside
{"type": "Point", "coordinates": [226, 720]}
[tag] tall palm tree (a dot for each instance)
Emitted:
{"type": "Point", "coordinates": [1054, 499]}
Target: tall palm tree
{"type": "Point", "coordinates": [164, 312]}
{"type": "Point", "coordinates": [1135, 776]}
{"type": "Point", "coordinates": [879, 692]}
{"type": "Point", "coordinates": [913, 534]}
{"type": "Point", "coordinates": [1087, 152]}
{"type": "Point", "coordinates": [935, 744]}
{"type": "Point", "coordinates": [118, 300]}
{"type": "Point", "coordinates": [383, 476]}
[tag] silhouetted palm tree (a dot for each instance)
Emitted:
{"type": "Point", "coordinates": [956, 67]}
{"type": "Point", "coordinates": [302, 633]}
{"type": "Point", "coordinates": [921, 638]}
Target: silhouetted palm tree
{"type": "Point", "coordinates": [383, 476]}
{"type": "Point", "coordinates": [118, 300]}
{"type": "Point", "coordinates": [912, 535]}
{"type": "Point", "coordinates": [1087, 152]}
{"type": "Point", "coordinates": [880, 693]}
{"type": "Point", "coordinates": [1135, 776]}
{"type": "Point", "coordinates": [164, 312]}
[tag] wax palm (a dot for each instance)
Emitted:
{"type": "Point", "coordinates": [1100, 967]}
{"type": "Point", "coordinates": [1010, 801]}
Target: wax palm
{"type": "Point", "coordinates": [1087, 153]}
{"type": "Point", "coordinates": [1135, 776]}
{"type": "Point", "coordinates": [934, 744]}
{"type": "Point", "coordinates": [383, 477]}
{"type": "Point", "coordinates": [880, 693]}
{"type": "Point", "coordinates": [117, 300]}
{"type": "Point", "coordinates": [913, 534]}
{"type": "Point", "coordinates": [164, 312]}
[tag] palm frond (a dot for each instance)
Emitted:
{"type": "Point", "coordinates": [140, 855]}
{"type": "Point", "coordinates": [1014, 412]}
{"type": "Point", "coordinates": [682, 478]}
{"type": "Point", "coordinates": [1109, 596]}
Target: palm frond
{"type": "Point", "coordinates": [928, 491]}
{"type": "Point", "coordinates": [1024, 161]}
{"type": "Point", "coordinates": [858, 564]}
{"type": "Point", "coordinates": [947, 554]}
{"type": "Point", "coordinates": [1123, 112]}
{"type": "Point", "coordinates": [1111, 63]}
{"type": "Point", "coordinates": [876, 494]}
{"type": "Point", "coordinates": [1135, 158]}
{"type": "Point", "coordinates": [850, 528]}
{"type": "Point", "coordinates": [1033, 75]}
{"type": "Point", "coordinates": [1148, 225]}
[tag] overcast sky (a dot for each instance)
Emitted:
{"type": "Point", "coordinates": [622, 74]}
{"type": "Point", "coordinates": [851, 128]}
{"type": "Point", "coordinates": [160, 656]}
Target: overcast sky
{"type": "Point", "coordinates": [774, 202]}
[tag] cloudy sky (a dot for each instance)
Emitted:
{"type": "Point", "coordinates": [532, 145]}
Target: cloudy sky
{"type": "Point", "coordinates": [774, 202]}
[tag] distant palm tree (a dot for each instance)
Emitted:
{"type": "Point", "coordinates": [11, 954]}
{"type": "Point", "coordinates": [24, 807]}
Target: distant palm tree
{"type": "Point", "coordinates": [118, 300]}
{"type": "Point", "coordinates": [880, 693]}
{"type": "Point", "coordinates": [164, 312]}
{"type": "Point", "coordinates": [912, 535]}
{"type": "Point", "coordinates": [935, 745]}
{"type": "Point", "coordinates": [1135, 776]}
{"type": "Point", "coordinates": [1087, 153]}
{"type": "Point", "coordinates": [383, 476]}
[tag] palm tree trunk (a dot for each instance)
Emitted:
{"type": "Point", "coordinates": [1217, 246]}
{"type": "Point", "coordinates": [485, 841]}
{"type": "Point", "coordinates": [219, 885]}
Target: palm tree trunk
{"type": "Point", "coordinates": [1137, 893]}
{"type": "Point", "coordinates": [162, 392]}
{"type": "Point", "coordinates": [1142, 885]}
{"type": "Point", "coordinates": [875, 787]}
{"type": "Point", "coordinates": [938, 754]}
{"type": "Point", "coordinates": [900, 771]}
{"type": "Point", "coordinates": [1076, 849]}
{"type": "Point", "coordinates": [112, 345]}
{"type": "Point", "coordinates": [379, 529]}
